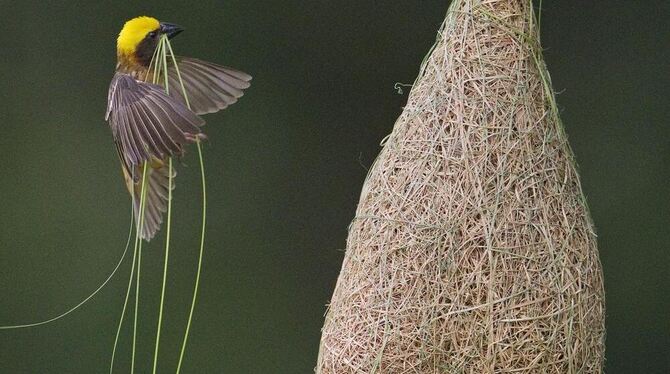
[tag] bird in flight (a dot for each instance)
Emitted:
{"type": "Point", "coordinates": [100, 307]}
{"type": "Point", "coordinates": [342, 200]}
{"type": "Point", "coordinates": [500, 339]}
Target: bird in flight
{"type": "Point", "coordinates": [151, 124]}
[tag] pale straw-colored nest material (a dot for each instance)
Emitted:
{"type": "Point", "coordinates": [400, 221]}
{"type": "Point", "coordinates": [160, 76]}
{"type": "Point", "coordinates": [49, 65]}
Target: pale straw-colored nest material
{"type": "Point", "coordinates": [472, 250]}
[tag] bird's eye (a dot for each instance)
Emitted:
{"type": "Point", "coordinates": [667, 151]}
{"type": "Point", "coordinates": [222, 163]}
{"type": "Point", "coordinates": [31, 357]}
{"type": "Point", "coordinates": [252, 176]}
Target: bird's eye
{"type": "Point", "coordinates": [152, 34]}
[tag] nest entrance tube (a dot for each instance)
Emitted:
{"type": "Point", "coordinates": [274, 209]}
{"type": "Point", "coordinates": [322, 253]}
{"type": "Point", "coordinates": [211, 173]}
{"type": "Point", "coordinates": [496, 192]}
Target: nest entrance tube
{"type": "Point", "coordinates": [472, 249]}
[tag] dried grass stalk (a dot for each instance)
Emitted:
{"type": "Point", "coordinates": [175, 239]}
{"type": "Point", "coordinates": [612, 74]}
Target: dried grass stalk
{"type": "Point", "coordinates": [472, 250]}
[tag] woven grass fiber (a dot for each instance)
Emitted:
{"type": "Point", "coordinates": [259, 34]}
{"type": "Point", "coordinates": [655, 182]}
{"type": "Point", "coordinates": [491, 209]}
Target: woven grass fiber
{"type": "Point", "coordinates": [472, 249]}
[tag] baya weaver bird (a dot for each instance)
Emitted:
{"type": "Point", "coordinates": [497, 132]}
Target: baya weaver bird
{"type": "Point", "coordinates": [150, 125]}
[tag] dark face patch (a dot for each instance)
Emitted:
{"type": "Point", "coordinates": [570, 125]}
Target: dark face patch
{"type": "Point", "coordinates": [145, 50]}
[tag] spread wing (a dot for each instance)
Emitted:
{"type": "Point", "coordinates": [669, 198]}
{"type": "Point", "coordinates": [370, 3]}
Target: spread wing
{"type": "Point", "coordinates": [210, 87]}
{"type": "Point", "coordinates": [147, 123]}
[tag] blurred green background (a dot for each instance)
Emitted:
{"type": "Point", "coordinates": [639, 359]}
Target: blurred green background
{"type": "Point", "coordinates": [285, 167]}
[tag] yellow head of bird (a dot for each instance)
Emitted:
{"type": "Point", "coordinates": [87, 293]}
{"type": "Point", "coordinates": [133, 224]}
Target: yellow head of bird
{"type": "Point", "coordinates": [134, 31]}
{"type": "Point", "coordinates": [142, 28]}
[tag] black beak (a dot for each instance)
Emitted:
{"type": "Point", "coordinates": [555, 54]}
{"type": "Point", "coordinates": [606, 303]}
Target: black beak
{"type": "Point", "coordinates": [170, 29]}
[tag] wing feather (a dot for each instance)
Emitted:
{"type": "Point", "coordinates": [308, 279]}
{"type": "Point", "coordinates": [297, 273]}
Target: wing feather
{"type": "Point", "coordinates": [148, 125]}
{"type": "Point", "coordinates": [146, 122]}
{"type": "Point", "coordinates": [210, 87]}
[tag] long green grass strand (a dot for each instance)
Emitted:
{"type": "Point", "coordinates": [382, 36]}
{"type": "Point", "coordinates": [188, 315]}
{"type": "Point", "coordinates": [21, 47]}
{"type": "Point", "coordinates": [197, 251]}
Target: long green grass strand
{"type": "Point", "coordinates": [138, 230]}
{"type": "Point", "coordinates": [163, 58]}
{"type": "Point", "coordinates": [138, 244]}
{"type": "Point", "coordinates": [89, 297]}
{"type": "Point", "coordinates": [204, 221]}
{"type": "Point", "coordinates": [176, 68]}
{"type": "Point", "coordinates": [165, 266]}
{"type": "Point", "coordinates": [123, 310]}
{"type": "Point", "coordinates": [202, 246]}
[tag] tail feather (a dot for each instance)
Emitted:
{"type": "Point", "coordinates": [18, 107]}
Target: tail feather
{"type": "Point", "coordinates": [156, 198]}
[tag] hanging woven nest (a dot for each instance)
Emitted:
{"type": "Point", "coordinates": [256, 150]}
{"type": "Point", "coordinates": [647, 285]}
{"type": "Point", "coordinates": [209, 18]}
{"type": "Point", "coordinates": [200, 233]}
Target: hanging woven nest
{"type": "Point", "coordinates": [472, 249]}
